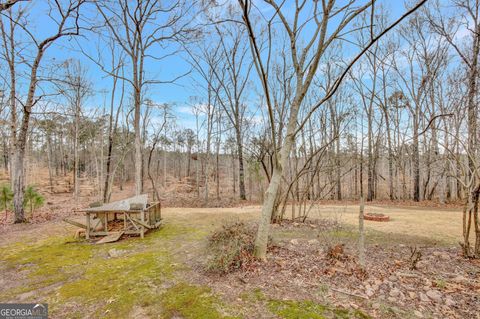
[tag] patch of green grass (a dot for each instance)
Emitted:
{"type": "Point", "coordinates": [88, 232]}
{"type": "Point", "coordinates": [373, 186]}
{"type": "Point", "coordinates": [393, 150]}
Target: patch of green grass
{"type": "Point", "coordinates": [189, 301]}
{"type": "Point", "coordinates": [170, 231]}
{"type": "Point", "coordinates": [119, 283]}
{"type": "Point", "coordinates": [293, 309]}
{"type": "Point", "coordinates": [441, 283]}
{"type": "Point", "coordinates": [85, 274]}
{"type": "Point", "coordinates": [343, 233]}
{"type": "Point", "coordinates": [46, 262]}
{"type": "Point", "coordinates": [253, 295]}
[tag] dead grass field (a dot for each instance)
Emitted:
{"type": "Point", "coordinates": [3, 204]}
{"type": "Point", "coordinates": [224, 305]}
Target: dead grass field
{"type": "Point", "coordinates": [42, 262]}
{"type": "Point", "coordinates": [443, 226]}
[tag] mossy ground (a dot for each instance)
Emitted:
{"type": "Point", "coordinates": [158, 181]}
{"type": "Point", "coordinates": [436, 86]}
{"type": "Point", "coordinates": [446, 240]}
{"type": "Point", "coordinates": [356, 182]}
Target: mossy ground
{"type": "Point", "coordinates": [293, 309]}
{"type": "Point", "coordinates": [86, 275]}
{"type": "Point", "coordinates": [80, 280]}
{"type": "Point", "coordinates": [300, 309]}
{"type": "Point", "coordinates": [192, 302]}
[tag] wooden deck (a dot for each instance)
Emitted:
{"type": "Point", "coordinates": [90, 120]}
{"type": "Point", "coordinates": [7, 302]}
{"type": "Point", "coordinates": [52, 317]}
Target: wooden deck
{"type": "Point", "coordinates": [135, 213]}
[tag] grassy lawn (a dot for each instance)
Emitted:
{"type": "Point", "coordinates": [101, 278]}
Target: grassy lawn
{"type": "Point", "coordinates": [149, 278]}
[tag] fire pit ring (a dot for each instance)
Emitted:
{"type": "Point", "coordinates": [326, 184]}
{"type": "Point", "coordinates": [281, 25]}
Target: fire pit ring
{"type": "Point", "coordinates": [376, 217]}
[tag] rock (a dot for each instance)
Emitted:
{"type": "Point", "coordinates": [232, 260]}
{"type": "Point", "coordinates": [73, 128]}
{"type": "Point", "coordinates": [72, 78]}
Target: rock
{"type": "Point", "coordinates": [395, 292]}
{"type": "Point", "coordinates": [376, 306]}
{"type": "Point", "coordinates": [313, 241]}
{"type": "Point", "coordinates": [369, 292]}
{"type": "Point", "coordinates": [294, 242]}
{"type": "Point", "coordinates": [393, 278]}
{"type": "Point", "coordinates": [450, 302]}
{"type": "Point", "coordinates": [412, 295]}
{"type": "Point", "coordinates": [417, 314]}
{"type": "Point", "coordinates": [434, 295]}
{"type": "Point", "coordinates": [423, 297]}
{"type": "Point", "coordinates": [392, 299]}
{"type": "Point", "coordinates": [459, 279]}
{"type": "Point", "coordinates": [114, 253]}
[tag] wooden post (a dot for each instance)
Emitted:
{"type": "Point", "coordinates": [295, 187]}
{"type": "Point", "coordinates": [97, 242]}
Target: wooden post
{"type": "Point", "coordinates": [142, 218]}
{"type": "Point", "coordinates": [106, 222]}
{"type": "Point", "coordinates": [361, 239]}
{"type": "Point", "coordinates": [87, 231]}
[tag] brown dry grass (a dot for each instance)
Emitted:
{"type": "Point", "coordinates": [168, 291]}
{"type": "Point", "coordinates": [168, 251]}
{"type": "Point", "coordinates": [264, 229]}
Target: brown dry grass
{"type": "Point", "coordinates": [444, 226]}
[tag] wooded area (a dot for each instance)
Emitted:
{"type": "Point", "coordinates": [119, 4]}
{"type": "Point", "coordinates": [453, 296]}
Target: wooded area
{"type": "Point", "coordinates": [298, 119]}
{"type": "Point", "coordinates": [284, 104]}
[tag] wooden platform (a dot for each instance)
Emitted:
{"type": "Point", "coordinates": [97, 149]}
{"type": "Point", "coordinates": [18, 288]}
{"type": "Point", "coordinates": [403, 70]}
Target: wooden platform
{"type": "Point", "coordinates": [138, 216]}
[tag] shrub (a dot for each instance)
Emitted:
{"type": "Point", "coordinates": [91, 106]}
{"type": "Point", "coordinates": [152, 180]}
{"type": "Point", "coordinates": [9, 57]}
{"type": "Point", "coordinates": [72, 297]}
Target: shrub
{"type": "Point", "coordinates": [231, 247]}
{"type": "Point", "coordinates": [32, 199]}
{"type": "Point", "coordinates": [6, 196]}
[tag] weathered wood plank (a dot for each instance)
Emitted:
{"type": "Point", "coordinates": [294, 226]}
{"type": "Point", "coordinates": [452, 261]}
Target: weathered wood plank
{"type": "Point", "coordinates": [74, 223]}
{"type": "Point", "coordinates": [121, 205]}
{"type": "Point", "coordinates": [112, 237]}
{"type": "Point", "coordinates": [141, 223]}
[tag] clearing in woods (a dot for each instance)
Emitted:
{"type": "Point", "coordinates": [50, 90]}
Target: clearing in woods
{"type": "Point", "coordinates": [163, 275]}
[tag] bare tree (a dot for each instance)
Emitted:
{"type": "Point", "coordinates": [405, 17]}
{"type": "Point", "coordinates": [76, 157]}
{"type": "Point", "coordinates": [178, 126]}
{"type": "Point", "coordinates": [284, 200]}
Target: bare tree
{"type": "Point", "coordinates": [116, 75]}
{"type": "Point", "coordinates": [448, 27]}
{"type": "Point", "coordinates": [75, 87]}
{"type": "Point", "coordinates": [305, 59]}
{"type": "Point", "coordinates": [9, 3]}
{"type": "Point", "coordinates": [65, 18]}
{"type": "Point", "coordinates": [140, 28]}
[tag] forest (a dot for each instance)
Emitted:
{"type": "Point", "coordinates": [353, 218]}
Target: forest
{"type": "Point", "coordinates": [269, 132]}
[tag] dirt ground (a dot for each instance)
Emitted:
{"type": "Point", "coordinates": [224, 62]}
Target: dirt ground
{"type": "Point", "coordinates": [163, 276]}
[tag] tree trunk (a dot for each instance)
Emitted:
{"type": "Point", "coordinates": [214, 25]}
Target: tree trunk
{"type": "Point", "coordinates": [18, 174]}
{"type": "Point", "coordinates": [108, 179]}
{"type": "Point", "coordinates": [75, 153]}
{"type": "Point", "coordinates": [241, 171]}
{"type": "Point", "coordinates": [261, 240]}
{"type": "Point", "coordinates": [138, 143]}
{"type": "Point", "coordinates": [361, 239]}
{"type": "Point", "coordinates": [49, 162]}
{"type": "Point", "coordinates": [370, 171]}
{"type": "Point", "coordinates": [338, 168]}
{"type": "Point", "coordinates": [416, 162]}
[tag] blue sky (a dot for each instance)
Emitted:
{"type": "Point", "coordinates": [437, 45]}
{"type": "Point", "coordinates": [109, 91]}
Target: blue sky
{"type": "Point", "coordinates": [178, 94]}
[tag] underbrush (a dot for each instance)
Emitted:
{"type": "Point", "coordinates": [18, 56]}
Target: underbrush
{"type": "Point", "coordinates": [231, 247]}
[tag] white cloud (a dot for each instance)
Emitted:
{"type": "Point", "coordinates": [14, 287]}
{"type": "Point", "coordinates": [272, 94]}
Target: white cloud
{"type": "Point", "coordinates": [185, 109]}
